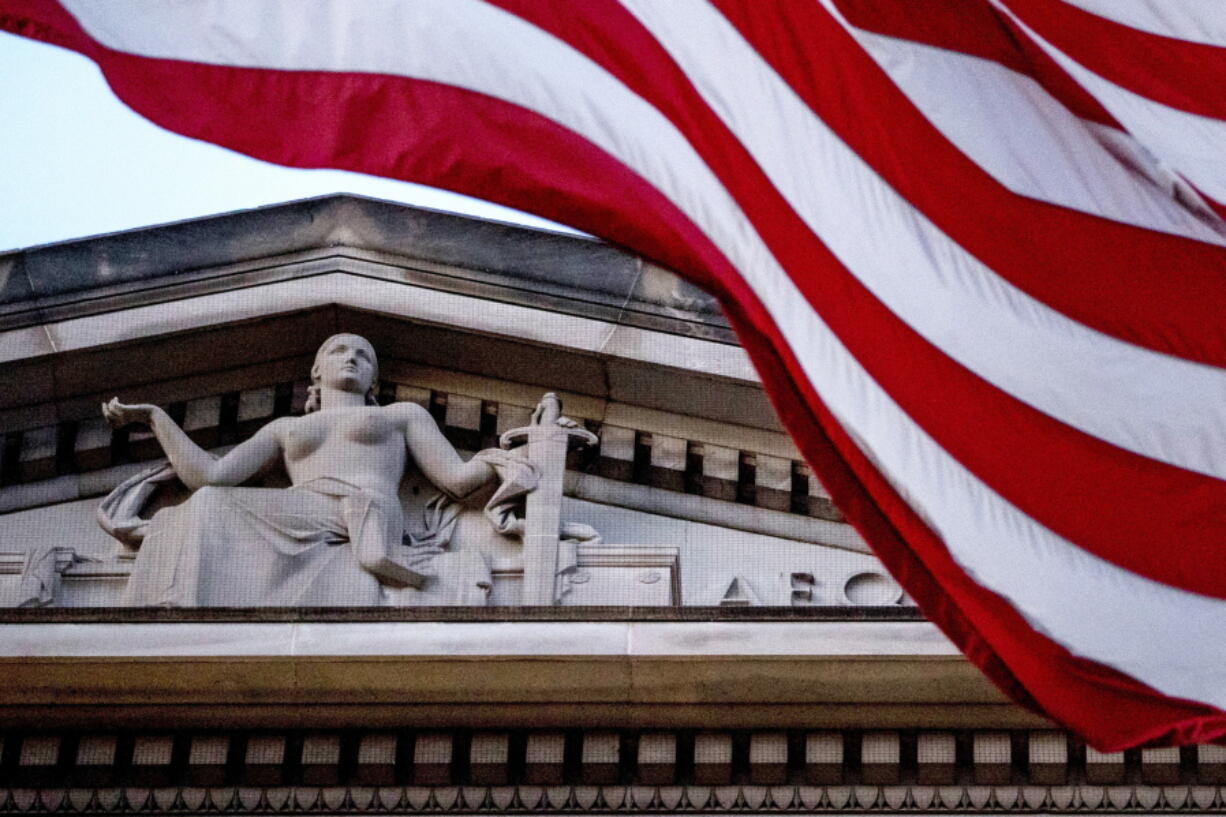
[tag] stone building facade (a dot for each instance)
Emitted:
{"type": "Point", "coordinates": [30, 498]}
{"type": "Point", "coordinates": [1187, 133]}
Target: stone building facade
{"type": "Point", "coordinates": [725, 643]}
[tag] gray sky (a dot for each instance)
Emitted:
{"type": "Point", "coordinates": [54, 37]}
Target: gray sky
{"type": "Point", "coordinates": [77, 162]}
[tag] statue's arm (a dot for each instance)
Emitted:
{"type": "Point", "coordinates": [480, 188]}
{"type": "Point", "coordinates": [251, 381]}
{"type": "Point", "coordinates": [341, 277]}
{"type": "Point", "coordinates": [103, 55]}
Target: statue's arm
{"type": "Point", "coordinates": [437, 459]}
{"type": "Point", "coordinates": [195, 466]}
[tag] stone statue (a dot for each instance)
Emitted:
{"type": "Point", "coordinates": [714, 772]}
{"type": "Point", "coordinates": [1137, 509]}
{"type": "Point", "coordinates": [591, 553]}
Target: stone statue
{"type": "Point", "coordinates": [335, 536]}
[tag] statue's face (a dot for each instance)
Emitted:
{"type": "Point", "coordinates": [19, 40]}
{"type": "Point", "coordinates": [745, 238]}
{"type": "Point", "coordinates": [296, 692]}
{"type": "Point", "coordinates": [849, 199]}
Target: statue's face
{"type": "Point", "coordinates": [346, 363]}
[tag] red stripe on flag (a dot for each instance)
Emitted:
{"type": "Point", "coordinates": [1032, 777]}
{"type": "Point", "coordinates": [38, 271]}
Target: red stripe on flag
{"type": "Point", "coordinates": [1185, 75]}
{"type": "Point", "coordinates": [46, 21]}
{"type": "Point", "coordinates": [1123, 283]}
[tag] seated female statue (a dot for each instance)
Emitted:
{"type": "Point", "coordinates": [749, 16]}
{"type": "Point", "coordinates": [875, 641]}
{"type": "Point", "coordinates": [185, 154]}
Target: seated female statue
{"type": "Point", "coordinates": [334, 537]}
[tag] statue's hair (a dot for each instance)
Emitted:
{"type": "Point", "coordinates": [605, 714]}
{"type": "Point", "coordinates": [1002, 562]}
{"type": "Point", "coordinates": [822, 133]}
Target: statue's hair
{"type": "Point", "coordinates": [313, 391]}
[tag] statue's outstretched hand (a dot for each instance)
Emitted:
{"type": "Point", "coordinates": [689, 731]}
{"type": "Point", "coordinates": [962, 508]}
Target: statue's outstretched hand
{"type": "Point", "coordinates": [566, 422]}
{"type": "Point", "coordinates": [121, 414]}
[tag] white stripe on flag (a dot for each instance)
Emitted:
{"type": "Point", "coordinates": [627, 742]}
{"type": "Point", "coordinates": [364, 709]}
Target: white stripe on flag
{"type": "Point", "coordinates": [1196, 21]}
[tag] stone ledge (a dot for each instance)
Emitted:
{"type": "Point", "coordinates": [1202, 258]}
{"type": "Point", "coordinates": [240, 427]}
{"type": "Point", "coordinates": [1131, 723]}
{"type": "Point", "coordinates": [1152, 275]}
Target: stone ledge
{"type": "Point", "coordinates": [562, 674]}
{"type": "Point", "coordinates": [782, 638]}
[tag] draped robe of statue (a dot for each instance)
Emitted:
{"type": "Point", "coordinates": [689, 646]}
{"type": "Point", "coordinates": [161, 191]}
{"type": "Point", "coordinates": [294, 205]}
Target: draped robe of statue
{"type": "Point", "coordinates": [297, 546]}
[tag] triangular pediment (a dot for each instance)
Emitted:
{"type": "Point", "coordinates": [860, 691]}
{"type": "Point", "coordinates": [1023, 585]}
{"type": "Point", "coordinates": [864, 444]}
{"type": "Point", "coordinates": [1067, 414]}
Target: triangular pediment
{"type": "Point", "coordinates": [219, 319]}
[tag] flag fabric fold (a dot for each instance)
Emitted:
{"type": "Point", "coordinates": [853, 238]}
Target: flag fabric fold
{"type": "Point", "coordinates": [974, 247]}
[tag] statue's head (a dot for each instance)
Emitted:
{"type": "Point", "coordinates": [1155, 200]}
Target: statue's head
{"type": "Point", "coordinates": [344, 362]}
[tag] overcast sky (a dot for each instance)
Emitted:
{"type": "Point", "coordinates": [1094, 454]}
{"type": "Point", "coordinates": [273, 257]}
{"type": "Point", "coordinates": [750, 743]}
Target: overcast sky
{"type": "Point", "coordinates": [77, 162]}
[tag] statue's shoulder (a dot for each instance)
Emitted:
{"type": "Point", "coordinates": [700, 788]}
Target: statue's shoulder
{"type": "Point", "coordinates": [407, 412]}
{"type": "Point", "coordinates": [275, 428]}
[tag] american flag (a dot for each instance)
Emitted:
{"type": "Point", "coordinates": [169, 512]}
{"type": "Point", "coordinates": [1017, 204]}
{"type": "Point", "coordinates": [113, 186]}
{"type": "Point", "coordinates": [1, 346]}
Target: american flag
{"type": "Point", "coordinates": [975, 248]}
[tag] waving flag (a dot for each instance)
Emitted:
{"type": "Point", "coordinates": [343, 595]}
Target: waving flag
{"type": "Point", "coordinates": [974, 247]}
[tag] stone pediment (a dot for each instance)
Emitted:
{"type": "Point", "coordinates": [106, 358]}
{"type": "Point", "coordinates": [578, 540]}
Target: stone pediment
{"type": "Point", "coordinates": [217, 320]}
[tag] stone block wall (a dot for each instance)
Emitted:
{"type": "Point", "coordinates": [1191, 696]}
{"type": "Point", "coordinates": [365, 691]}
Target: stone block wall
{"type": "Point", "coordinates": [643, 456]}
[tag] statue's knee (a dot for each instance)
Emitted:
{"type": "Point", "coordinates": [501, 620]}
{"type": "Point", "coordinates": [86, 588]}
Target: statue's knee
{"type": "Point", "coordinates": [370, 555]}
